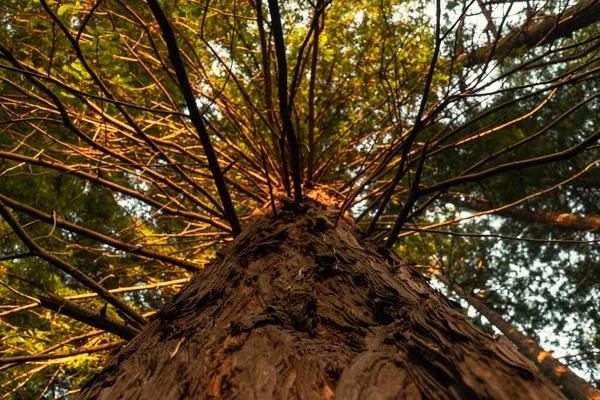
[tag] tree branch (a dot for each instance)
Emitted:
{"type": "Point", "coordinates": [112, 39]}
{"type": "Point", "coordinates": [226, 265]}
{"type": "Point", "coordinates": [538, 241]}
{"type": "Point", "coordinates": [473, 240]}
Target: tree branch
{"type": "Point", "coordinates": [288, 126]}
{"type": "Point", "coordinates": [44, 357]}
{"type": "Point", "coordinates": [71, 227]}
{"type": "Point", "coordinates": [94, 318]}
{"type": "Point", "coordinates": [549, 365]}
{"type": "Point", "coordinates": [68, 268]}
{"type": "Point", "coordinates": [563, 220]}
{"type": "Point", "coordinates": [537, 32]}
{"type": "Point", "coordinates": [195, 116]}
{"type": "Point", "coordinates": [513, 166]}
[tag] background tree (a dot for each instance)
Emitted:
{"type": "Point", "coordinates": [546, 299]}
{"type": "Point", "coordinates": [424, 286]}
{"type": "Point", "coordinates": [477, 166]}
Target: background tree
{"type": "Point", "coordinates": [138, 139]}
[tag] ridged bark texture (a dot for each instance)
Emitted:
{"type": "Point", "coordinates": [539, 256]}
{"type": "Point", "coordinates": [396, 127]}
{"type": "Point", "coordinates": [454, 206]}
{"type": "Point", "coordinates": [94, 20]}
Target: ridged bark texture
{"type": "Point", "coordinates": [297, 308]}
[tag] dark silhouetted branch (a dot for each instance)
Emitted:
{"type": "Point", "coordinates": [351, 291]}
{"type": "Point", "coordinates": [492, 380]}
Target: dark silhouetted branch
{"type": "Point", "coordinates": [195, 116]}
{"type": "Point", "coordinates": [546, 362]}
{"type": "Point", "coordinates": [288, 126]}
{"type": "Point", "coordinates": [94, 318]}
{"type": "Point", "coordinates": [68, 268]}
{"type": "Point", "coordinates": [44, 357]}
{"type": "Point", "coordinates": [539, 31]}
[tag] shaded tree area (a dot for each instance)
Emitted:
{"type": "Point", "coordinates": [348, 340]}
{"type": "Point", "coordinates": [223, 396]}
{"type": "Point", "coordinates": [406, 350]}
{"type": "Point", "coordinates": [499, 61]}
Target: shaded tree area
{"type": "Point", "coordinates": [259, 199]}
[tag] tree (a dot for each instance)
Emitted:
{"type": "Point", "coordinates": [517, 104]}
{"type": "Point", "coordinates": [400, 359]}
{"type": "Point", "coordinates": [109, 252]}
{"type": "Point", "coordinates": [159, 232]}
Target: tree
{"type": "Point", "coordinates": [549, 365]}
{"type": "Point", "coordinates": [294, 145]}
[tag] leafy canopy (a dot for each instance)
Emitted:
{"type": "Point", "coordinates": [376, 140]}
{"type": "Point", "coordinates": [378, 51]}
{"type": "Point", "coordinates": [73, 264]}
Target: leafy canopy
{"type": "Point", "coordinates": [421, 119]}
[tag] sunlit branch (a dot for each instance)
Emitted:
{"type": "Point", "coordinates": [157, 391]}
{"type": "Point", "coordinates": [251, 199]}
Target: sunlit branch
{"type": "Point", "coordinates": [417, 128]}
{"type": "Point", "coordinates": [71, 227]}
{"type": "Point", "coordinates": [164, 208]}
{"type": "Point", "coordinates": [98, 81]}
{"type": "Point", "coordinates": [66, 267]}
{"type": "Point", "coordinates": [78, 92]}
{"type": "Point", "coordinates": [158, 285]}
{"type": "Point", "coordinates": [195, 116]}
{"type": "Point", "coordinates": [68, 122]}
{"type": "Point", "coordinates": [66, 354]}
{"type": "Point", "coordinates": [50, 349]}
{"type": "Point", "coordinates": [97, 319]}
{"type": "Point", "coordinates": [284, 112]}
{"type": "Point", "coordinates": [547, 363]}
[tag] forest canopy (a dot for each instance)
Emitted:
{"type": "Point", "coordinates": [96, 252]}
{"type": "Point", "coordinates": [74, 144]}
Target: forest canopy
{"type": "Point", "coordinates": [138, 138]}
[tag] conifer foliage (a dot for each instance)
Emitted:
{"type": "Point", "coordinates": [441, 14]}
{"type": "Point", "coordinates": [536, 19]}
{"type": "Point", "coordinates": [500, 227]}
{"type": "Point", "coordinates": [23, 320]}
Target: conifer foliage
{"type": "Point", "coordinates": [255, 199]}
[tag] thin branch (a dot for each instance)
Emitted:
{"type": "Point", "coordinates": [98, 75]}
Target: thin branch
{"type": "Point", "coordinates": [418, 125]}
{"type": "Point", "coordinates": [195, 116]}
{"type": "Point", "coordinates": [498, 236]}
{"type": "Point", "coordinates": [71, 227]}
{"type": "Point", "coordinates": [92, 295]}
{"type": "Point", "coordinates": [68, 268]}
{"type": "Point", "coordinates": [66, 354]}
{"type": "Point", "coordinates": [514, 166]}
{"type": "Point", "coordinates": [413, 196]}
{"type": "Point", "coordinates": [538, 32]}
{"type": "Point", "coordinates": [311, 101]}
{"type": "Point", "coordinates": [97, 319]}
{"type": "Point", "coordinates": [288, 126]}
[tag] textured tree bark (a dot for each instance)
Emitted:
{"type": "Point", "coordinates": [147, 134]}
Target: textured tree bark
{"type": "Point", "coordinates": [298, 307]}
{"type": "Point", "coordinates": [560, 373]}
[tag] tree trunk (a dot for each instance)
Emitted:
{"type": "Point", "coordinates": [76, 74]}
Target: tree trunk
{"type": "Point", "coordinates": [298, 307]}
{"type": "Point", "coordinates": [557, 371]}
{"type": "Point", "coordinates": [538, 31]}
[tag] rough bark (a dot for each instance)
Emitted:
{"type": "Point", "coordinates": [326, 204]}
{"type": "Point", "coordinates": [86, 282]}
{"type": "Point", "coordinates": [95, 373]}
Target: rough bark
{"type": "Point", "coordinates": [550, 366]}
{"type": "Point", "coordinates": [297, 307]}
{"type": "Point", "coordinates": [564, 220]}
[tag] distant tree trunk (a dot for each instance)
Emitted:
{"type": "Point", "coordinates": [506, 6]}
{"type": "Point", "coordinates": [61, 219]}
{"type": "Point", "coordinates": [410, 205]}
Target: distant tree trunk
{"type": "Point", "coordinates": [541, 29]}
{"type": "Point", "coordinates": [549, 365]}
{"type": "Point", "coordinates": [564, 220]}
{"type": "Point", "coordinates": [297, 307]}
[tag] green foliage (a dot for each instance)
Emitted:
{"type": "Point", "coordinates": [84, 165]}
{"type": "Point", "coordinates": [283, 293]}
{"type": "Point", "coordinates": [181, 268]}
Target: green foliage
{"type": "Point", "coordinates": [94, 130]}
